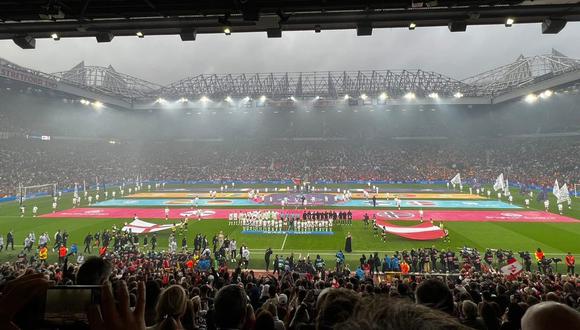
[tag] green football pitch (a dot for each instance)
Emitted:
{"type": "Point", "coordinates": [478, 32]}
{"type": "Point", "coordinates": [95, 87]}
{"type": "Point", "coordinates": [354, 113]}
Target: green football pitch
{"type": "Point", "coordinates": [555, 239]}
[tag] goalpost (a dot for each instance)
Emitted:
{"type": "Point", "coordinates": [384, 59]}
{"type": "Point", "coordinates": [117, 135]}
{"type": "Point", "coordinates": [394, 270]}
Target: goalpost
{"type": "Point", "coordinates": [577, 190]}
{"type": "Point", "coordinates": [41, 190]}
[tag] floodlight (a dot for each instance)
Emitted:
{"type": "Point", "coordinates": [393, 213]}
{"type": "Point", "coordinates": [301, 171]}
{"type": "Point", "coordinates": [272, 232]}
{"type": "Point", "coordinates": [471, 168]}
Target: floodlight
{"type": "Point", "coordinates": [363, 96]}
{"type": "Point", "coordinates": [293, 98]}
{"type": "Point", "coordinates": [262, 98]}
{"type": "Point", "coordinates": [97, 104]}
{"type": "Point", "coordinates": [383, 96]}
{"type": "Point", "coordinates": [457, 26]}
{"type": "Point", "coordinates": [509, 22]}
{"type": "Point", "coordinates": [412, 26]}
{"type": "Point", "coordinates": [183, 100]}
{"type": "Point", "coordinates": [274, 33]}
{"type": "Point", "coordinates": [409, 96]}
{"type": "Point", "coordinates": [204, 99]}
{"type": "Point", "coordinates": [553, 25]}
{"type": "Point", "coordinates": [188, 34]}
{"type": "Point", "coordinates": [140, 34]}
{"type": "Point", "coordinates": [55, 36]}
{"type": "Point", "coordinates": [458, 95]}
{"type": "Point", "coordinates": [364, 29]}
{"type": "Point", "coordinates": [229, 99]}
{"type": "Point", "coordinates": [546, 94]}
{"type": "Point", "coordinates": [434, 95]}
{"type": "Point", "coordinates": [161, 100]}
{"type": "Point", "coordinates": [531, 98]}
{"type": "Point", "coordinates": [104, 36]}
{"type": "Point", "coordinates": [227, 30]}
{"type": "Point", "coordinates": [317, 97]}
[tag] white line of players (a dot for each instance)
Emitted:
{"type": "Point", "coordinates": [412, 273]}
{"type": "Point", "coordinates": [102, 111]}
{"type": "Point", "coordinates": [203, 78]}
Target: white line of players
{"type": "Point", "coordinates": [272, 221]}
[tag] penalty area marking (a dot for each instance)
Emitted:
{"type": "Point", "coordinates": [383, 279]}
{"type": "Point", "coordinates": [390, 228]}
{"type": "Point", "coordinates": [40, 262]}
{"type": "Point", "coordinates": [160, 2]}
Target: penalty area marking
{"type": "Point", "coordinates": [284, 243]}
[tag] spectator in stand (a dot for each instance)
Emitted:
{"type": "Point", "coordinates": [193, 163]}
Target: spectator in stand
{"type": "Point", "coordinates": [231, 308]}
{"type": "Point", "coordinates": [551, 315]}
{"type": "Point", "coordinates": [435, 294]}
{"type": "Point", "coordinates": [171, 308]}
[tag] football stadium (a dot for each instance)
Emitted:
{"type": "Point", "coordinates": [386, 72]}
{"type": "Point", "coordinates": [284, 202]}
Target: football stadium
{"type": "Point", "coordinates": [182, 173]}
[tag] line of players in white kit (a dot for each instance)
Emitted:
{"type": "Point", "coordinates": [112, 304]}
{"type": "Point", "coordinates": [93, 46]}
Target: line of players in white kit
{"type": "Point", "coordinates": [273, 221]}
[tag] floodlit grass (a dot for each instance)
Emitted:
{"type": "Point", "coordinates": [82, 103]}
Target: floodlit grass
{"type": "Point", "coordinates": [554, 238]}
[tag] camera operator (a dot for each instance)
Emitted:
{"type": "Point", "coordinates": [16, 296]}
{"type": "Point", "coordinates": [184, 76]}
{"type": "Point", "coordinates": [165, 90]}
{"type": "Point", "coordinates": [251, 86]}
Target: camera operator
{"type": "Point", "coordinates": [545, 265]}
{"type": "Point", "coordinates": [527, 258]}
{"type": "Point", "coordinates": [500, 255]}
{"type": "Point", "coordinates": [488, 257]}
{"type": "Point", "coordinates": [433, 256]}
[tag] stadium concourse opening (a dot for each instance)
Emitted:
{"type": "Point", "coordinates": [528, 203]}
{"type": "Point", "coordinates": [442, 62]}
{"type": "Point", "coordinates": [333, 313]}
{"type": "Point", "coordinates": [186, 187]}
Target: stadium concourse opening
{"type": "Point", "coordinates": [289, 165]}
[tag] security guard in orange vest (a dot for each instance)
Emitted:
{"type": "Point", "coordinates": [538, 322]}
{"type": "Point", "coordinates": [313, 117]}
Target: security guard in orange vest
{"type": "Point", "coordinates": [405, 267]}
{"type": "Point", "coordinates": [62, 251]}
{"type": "Point", "coordinates": [570, 261]}
{"type": "Point", "coordinates": [539, 258]}
{"type": "Point", "coordinates": [43, 254]}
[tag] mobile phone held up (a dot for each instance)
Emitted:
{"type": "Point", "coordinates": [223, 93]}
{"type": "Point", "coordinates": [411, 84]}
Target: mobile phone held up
{"type": "Point", "coordinates": [66, 306]}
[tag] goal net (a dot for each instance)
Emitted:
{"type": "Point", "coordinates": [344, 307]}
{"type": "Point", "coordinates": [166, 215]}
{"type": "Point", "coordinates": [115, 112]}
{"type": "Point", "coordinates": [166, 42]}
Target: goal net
{"type": "Point", "coordinates": [576, 191]}
{"type": "Point", "coordinates": [41, 190]}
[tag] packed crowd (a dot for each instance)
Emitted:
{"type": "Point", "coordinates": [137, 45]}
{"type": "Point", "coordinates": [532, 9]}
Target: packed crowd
{"type": "Point", "coordinates": [66, 163]}
{"type": "Point", "coordinates": [161, 291]}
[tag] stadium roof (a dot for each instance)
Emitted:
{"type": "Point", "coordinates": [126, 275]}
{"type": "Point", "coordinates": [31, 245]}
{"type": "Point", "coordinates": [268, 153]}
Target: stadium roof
{"type": "Point", "coordinates": [104, 84]}
{"type": "Point", "coordinates": [25, 20]}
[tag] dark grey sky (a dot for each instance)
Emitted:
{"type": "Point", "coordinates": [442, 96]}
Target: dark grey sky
{"type": "Point", "coordinates": [165, 59]}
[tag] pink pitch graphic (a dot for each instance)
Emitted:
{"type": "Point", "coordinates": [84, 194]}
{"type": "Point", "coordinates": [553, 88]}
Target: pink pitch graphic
{"type": "Point", "coordinates": [411, 215]}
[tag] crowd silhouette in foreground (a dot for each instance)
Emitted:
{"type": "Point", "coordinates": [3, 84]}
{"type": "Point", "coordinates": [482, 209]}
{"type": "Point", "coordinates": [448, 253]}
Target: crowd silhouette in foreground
{"type": "Point", "coordinates": [138, 293]}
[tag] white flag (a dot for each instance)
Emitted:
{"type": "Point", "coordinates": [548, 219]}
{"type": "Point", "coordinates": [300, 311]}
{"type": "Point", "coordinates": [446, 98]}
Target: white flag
{"type": "Point", "coordinates": [499, 183]}
{"type": "Point", "coordinates": [512, 269]}
{"type": "Point", "coordinates": [556, 189]}
{"type": "Point", "coordinates": [563, 194]}
{"type": "Point", "coordinates": [456, 179]}
{"type": "Point", "coordinates": [142, 227]}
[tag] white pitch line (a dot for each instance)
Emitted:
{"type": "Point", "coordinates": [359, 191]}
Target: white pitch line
{"type": "Point", "coordinates": [284, 243]}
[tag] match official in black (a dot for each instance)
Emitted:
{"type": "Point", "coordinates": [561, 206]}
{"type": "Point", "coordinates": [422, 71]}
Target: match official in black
{"type": "Point", "coordinates": [267, 256]}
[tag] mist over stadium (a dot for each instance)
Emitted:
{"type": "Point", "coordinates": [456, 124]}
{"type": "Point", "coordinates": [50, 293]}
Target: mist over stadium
{"type": "Point", "coordinates": [289, 165]}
